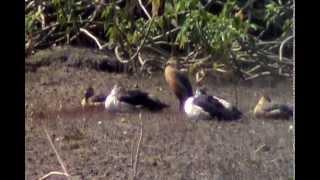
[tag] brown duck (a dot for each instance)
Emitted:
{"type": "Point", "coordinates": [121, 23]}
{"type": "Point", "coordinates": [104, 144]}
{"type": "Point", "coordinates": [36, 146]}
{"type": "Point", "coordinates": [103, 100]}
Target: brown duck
{"type": "Point", "coordinates": [268, 110]}
{"type": "Point", "coordinates": [178, 82]}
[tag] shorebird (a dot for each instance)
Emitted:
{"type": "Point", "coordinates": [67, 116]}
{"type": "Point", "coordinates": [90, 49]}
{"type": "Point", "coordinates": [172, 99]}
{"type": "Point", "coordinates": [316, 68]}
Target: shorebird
{"type": "Point", "coordinates": [122, 100]}
{"type": "Point", "coordinates": [178, 82]}
{"type": "Point", "coordinates": [268, 110]}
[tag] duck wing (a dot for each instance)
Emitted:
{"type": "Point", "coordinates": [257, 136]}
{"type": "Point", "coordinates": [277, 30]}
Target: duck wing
{"type": "Point", "coordinates": [137, 97]}
{"type": "Point", "coordinates": [99, 98]}
{"type": "Point", "coordinates": [216, 109]}
{"type": "Point", "coordinates": [185, 83]}
{"type": "Point", "coordinates": [279, 110]}
{"type": "Point", "coordinates": [134, 97]}
{"type": "Point", "coordinates": [231, 111]}
{"type": "Point", "coordinates": [210, 105]}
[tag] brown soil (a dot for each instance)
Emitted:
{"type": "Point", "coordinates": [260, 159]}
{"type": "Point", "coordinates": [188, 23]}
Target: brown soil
{"type": "Point", "coordinates": [97, 145]}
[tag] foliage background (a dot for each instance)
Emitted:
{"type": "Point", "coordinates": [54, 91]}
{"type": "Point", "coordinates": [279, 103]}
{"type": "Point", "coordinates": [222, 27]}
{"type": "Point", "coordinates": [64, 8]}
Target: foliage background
{"type": "Point", "coordinates": [239, 36]}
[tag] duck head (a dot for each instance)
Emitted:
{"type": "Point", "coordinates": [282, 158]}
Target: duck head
{"type": "Point", "coordinates": [200, 75]}
{"type": "Point", "coordinates": [263, 101]}
{"type": "Point", "coordinates": [201, 91]}
{"type": "Point", "coordinates": [89, 92]}
{"type": "Point", "coordinates": [171, 63]}
{"type": "Point", "coordinates": [117, 89]}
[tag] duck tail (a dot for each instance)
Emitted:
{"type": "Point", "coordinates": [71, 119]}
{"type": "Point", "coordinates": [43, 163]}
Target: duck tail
{"type": "Point", "coordinates": [237, 114]}
{"type": "Point", "coordinates": [155, 104]}
{"type": "Point", "coordinates": [232, 115]}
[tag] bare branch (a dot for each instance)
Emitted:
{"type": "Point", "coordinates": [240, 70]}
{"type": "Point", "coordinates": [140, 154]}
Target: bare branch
{"type": "Point", "coordinates": [143, 40]}
{"type": "Point", "coordinates": [253, 69]}
{"type": "Point", "coordinates": [167, 33]}
{"type": "Point", "coordinates": [144, 9]}
{"type": "Point", "coordinates": [43, 23]}
{"type": "Point", "coordinates": [281, 50]}
{"type": "Point", "coordinates": [91, 36]}
{"type": "Point", "coordinates": [142, 62]}
{"type": "Point", "coordinates": [200, 60]}
{"type": "Point", "coordinates": [166, 43]}
{"type": "Point", "coordinates": [116, 52]}
{"type": "Point", "coordinates": [57, 154]}
{"type": "Point", "coordinates": [157, 50]}
{"type": "Point", "coordinates": [138, 50]}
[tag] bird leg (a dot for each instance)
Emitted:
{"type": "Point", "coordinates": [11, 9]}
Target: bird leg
{"type": "Point", "coordinates": [180, 106]}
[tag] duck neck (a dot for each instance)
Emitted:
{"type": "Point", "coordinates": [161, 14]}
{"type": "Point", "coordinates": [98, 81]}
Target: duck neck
{"type": "Point", "coordinates": [84, 101]}
{"type": "Point", "coordinates": [261, 104]}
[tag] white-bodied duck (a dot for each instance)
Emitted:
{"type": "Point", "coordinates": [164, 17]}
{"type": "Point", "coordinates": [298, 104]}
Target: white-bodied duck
{"type": "Point", "coordinates": [122, 100]}
{"type": "Point", "coordinates": [203, 106]}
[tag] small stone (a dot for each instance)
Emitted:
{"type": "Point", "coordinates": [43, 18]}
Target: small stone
{"type": "Point", "coordinates": [291, 128]}
{"type": "Point", "coordinates": [123, 120]}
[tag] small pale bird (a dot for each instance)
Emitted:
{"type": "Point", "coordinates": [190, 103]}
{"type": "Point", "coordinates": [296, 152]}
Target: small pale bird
{"type": "Point", "coordinates": [90, 99]}
{"type": "Point", "coordinates": [266, 109]}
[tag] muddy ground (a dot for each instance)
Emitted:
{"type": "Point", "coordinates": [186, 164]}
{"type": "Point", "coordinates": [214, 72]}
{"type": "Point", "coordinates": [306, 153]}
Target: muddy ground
{"type": "Point", "coordinates": [97, 145]}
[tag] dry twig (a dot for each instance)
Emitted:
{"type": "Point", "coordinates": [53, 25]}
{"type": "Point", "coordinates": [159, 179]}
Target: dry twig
{"type": "Point", "coordinates": [281, 51]}
{"type": "Point", "coordinates": [144, 9]}
{"type": "Point", "coordinates": [53, 173]}
{"type": "Point", "coordinates": [65, 173]}
{"type": "Point", "coordinates": [138, 148]}
{"type": "Point", "coordinates": [167, 33]}
{"type": "Point", "coordinates": [91, 36]}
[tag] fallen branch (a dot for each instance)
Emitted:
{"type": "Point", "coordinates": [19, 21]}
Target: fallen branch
{"type": "Point", "coordinates": [58, 157]}
{"type": "Point", "coordinates": [259, 148]}
{"type": "Point", "coordinates": [53, 173]}
{"type": "Point", "coordinates": [200, 60]}
{"type": "Point", "coordinates": [253, 69]}
{"type": "Point", "coordinates": [258, 75]}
